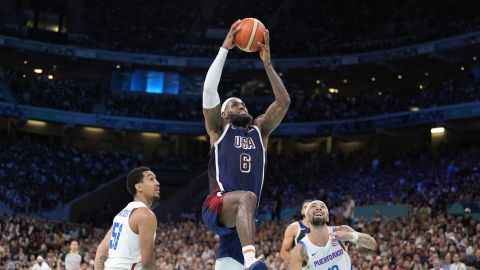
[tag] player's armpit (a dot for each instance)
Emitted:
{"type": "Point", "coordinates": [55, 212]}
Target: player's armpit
{"type": "Point", "coordinates": [288, 239]}
{"type": "Point", "coordinates": [298, 258]}
{"type": "Point", "coordinates": [102, 251]}
{"type": "Point", "coordinates": [213, 123]}
{"type": "Point", "coordinates": [147, 225]}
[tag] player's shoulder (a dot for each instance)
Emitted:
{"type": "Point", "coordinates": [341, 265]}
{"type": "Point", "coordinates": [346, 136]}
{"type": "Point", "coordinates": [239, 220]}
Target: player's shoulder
{"type": "Point", "coordinates": [294, 224]}
{"type": "Point", "coordinates": [257, 122]}
{"type": "Point", "coordinates": [143, 213]}
{"type": "Point", "coordinates": [292, 228]}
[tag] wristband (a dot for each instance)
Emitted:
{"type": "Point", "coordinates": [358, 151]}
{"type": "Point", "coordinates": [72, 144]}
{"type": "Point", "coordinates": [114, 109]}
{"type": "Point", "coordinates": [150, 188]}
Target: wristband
{"type": "Point", "coordinates": [355, 237]}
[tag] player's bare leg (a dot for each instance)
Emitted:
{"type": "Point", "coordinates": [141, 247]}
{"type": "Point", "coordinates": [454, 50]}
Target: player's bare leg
{"type": "Point", "coordinates": [238, 209]}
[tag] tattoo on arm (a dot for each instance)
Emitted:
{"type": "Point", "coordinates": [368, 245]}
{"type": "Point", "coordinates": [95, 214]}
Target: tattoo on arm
{"type": "Point", "coordinates": [304, 255]}
{"type": "Point", "coordinates": [100, 262]}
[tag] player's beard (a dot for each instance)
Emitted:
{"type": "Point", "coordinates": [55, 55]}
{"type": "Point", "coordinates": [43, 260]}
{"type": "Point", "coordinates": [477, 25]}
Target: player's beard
{"type": "Point", "coordinates": [318, 222]}
{"type": "Point", "coordinates": [240, 120]}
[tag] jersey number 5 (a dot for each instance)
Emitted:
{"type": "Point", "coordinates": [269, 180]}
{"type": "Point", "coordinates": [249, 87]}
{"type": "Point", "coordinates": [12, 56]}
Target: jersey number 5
{"type": "Point", "coordinates": [245, 162]}
{"type": "Point", "coordinates": [116, 230]}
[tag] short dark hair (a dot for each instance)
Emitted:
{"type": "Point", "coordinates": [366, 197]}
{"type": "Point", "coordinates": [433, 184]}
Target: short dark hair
{"type": "Point", "coordinates": [134, 177]}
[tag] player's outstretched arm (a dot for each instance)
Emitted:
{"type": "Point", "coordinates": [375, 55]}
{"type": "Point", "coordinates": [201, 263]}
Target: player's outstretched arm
{"type": "Point", "coordinates": [345, 233]}
{"type": "Point", "coordinates": [298, 258]}
{"type": "Point", "coordinates": [211, 99]}
{"type": "Point", "coordinates": [147, 225]}
{"type": "Point", "coordinates": [288, 239]}
{"type": "Point", "coordinates": [278, 109]}
{"type": "Point", "coordinates": [102, 251]}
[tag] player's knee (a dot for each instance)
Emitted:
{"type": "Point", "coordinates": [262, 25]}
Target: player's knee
{"type": "Point", "coordinates": [248, 197]}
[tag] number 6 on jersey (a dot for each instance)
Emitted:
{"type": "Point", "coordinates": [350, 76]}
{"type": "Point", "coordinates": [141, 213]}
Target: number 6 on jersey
{"type": "Point", "coordinates": [245, 162]}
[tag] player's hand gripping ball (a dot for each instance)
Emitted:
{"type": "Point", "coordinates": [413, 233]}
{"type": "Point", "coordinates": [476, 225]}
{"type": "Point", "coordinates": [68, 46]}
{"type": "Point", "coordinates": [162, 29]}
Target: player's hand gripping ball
{"type": "Point", "coordinates": [251, 32]}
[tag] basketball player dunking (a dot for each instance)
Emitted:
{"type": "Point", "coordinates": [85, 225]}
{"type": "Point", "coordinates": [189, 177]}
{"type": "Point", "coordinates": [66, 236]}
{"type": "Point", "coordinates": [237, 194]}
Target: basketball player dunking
{"type": "Point", "coordinates": [237, 161]}
{"type": "Point", "coordinates": [129, 244]}
{"type": "Point", "coordinates": [324, 247]}
{"type": "Point", "coordinates": [294, 233]}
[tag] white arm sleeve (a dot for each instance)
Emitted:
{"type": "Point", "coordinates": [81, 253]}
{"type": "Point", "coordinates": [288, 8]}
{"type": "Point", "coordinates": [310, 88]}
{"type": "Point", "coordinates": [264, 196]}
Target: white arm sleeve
{"type": "Point", "coordinates": [210, 88]}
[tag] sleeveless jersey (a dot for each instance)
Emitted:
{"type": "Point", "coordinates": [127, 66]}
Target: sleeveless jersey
{"type": "Point", "coordinates": [302, 231]}
{"type": "Point", "coordinates": [237, 161]}
{"type": "Point", "coordinates": [332, 256]}
{"type": "Point", "coordinates": [124, 249]}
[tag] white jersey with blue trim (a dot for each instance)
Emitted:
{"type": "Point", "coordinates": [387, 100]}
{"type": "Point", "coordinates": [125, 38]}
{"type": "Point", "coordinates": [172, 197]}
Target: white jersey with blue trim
{"type": "Point", "coordinates": [124, 246]}
{"type": "Point", "coordinates": [333, 256]}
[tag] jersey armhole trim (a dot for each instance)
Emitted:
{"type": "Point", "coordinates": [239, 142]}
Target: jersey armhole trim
{"type": "Point", "coordinates": [304, 246]}
{"type": "Point", "coordinates": [298, 232]}
{"type": "Point", "coordinates": [260, 136]}
{"type": "Point", "coordinates": [227, 126]}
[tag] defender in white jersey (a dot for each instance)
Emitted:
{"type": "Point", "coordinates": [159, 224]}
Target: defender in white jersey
{"type": "Point", "coordinates": [324, 247]}
{"type": "Point", "coordinates": [129, 244]}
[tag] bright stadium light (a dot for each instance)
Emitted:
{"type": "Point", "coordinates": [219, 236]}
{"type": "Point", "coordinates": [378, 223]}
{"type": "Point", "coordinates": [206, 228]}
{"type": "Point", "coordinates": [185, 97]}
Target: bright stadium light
{"type": "Point", "coordinates": [420, 87]}
{"type": "Point", "coordinates": [150, 135]}
{"type": "Point", "coordinates": [94, 129]}
{"type": "Point", "coordinates": [345, 81]}
{"type": "Point", "coordinates": [373, 79]}
{"type": "Point", "coordinates": [399, 76]}
{"type": "Point", "coordinates": [437, 130]}
{"type": "Point", "coordinates": [36, 123]}
{"type": "Point", "coordinates": [333, 90]}
{"type": "Point", "coordinates": [462, 68]}
{"type": "Point", "coordinates": [317, 81]}
{"type": "Point", "coordinates": [50, 76]}
{"type": "Point", "coordinates": [38, 71]}
{"type": "Point", "coordinates": [414, 109]}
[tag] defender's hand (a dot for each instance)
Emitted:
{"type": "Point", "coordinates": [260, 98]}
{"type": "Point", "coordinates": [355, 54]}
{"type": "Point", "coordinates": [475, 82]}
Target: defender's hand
{"type": "Point", "coordinates": [341, 236]}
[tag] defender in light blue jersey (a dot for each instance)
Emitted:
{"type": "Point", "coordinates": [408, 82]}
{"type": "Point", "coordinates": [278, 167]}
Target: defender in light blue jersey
{"type": "Point", "coordinates": [324, 247]}
{"type": "Point", "coordinates": [237, 161]}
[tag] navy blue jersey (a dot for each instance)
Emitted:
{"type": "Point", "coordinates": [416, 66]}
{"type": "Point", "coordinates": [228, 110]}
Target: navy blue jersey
{"type": "Point", "coordinates": [302, 231]}
{"type": "Point", "coordinates": [237, 161]}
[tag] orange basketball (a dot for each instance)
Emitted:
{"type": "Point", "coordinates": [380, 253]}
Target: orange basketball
{"type": "Point", "coordinates": [251, 32]}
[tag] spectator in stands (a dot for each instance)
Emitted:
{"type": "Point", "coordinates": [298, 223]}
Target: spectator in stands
{"type": "Point", "coordinates": [457, 264]}
{"type": "Point", "coordinates": [40, 265]}
{"type": "Point", "coordinates": [167, 29]}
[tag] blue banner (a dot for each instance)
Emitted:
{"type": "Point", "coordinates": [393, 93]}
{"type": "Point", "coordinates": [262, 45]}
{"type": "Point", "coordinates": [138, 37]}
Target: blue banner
{"type": "Point", "coordinates": [434, 116]}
